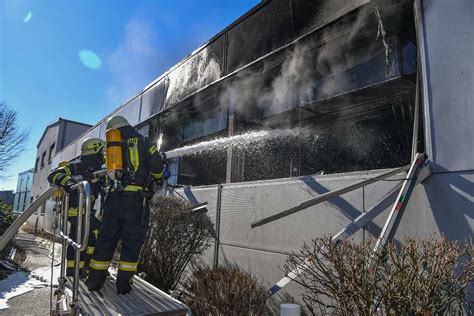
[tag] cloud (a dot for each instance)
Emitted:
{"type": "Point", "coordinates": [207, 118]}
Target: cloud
{"type": "Point", "coordinates": [135, 61]}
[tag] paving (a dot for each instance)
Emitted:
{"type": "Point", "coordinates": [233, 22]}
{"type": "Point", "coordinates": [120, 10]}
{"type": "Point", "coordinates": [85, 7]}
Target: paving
{"type": "Point", "coordinates": [36, 302]}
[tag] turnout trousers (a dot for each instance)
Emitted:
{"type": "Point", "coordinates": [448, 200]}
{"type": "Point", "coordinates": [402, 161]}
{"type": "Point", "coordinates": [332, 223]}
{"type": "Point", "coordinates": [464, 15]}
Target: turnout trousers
{"type": "Point", "coordinates": [123, 220]}
{"type": "Point", "coordinates": [85, 255]}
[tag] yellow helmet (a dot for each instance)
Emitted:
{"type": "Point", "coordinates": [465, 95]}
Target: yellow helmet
{"type": "Point", "coordinates": [63, 163]}
{"type": "Point", "coordinates": [91, 146]}
{"type": "Point", "coordinates": [117, 122]}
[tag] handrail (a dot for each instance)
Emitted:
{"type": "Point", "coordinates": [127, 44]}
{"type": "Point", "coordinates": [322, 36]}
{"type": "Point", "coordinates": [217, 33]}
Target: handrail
{"type": "Point", "coordinates": [84, 193]}
{"type": "Point", "coordinates": [63, 227]}
{"type": "Point", "coordinates": [326, 196]}
{"type": "Point", "coordinates": [23, 217]}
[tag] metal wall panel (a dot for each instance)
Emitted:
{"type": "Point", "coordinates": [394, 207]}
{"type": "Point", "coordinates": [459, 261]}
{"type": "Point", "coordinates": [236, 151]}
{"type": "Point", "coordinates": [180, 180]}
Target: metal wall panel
{"type": "Point", "coordinates": [195, 73]}
{"type": "Point", "coordinates": [447, 48]}
{"type": "Point", "coordinates": [266, 266]}
{"type": "Point", "coordinates": [442, 205]}
{"type": "Point", "coordinates": [260, 33]}
{"type": "Point", "coordinates": [310, 14]}
{"type": "Point", "coordinates": [153, 99]}
{"type": "Point", "coordinates": [131, 111]}
{"type": "Point", "coordinates": [200, 195]}
{"type": "Point", "coordinates": [246, 203]}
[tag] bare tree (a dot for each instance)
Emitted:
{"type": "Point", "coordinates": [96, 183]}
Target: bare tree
{"type": "Point", "coordinates": [422, 277]}
{"type": "Point", "coordinates": [12, 138]}
{"type": "Point", "coordinates": [176, 235]}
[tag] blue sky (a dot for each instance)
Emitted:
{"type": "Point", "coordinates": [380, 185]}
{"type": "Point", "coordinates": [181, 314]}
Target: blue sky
{"type": "Point", "coordinates": [42, 76]}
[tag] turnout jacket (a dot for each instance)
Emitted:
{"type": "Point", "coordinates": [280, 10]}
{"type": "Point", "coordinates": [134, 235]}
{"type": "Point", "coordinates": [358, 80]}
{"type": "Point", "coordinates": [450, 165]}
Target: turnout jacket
{"type": "Point", "coordinates": [142, 161]}
{"type": "Point", "coordinates": [84, 167]}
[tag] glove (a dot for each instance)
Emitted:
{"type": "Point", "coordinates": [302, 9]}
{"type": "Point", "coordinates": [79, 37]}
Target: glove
{"type": "Point", "coordinates": [88, 175]}
{"type": "Point", "coordinates": [67, 187]}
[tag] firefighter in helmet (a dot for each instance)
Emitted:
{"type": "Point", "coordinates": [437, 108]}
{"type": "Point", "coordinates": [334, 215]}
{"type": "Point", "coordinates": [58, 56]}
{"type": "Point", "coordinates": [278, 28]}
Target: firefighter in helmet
{"type": "Point", "coordinates": [91, 160]}
{"type": "Point", "coordinates": [138, 166]}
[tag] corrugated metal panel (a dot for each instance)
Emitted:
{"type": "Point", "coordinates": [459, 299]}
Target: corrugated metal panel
{"type": "Point", "coordinates": [242, 205]}
{"type": "Point", "coordinates": [443, 205]}
{"type": "Point", "coordinates": [200, 195]}
{"type": "Point", "coordinates": [266, 266]}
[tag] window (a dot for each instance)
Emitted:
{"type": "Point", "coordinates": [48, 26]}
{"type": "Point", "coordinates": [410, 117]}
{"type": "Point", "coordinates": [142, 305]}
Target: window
{"type": "Point", "coordinates": [43, 156]}
{"type": "Point", "coordinates": [51, 149]}
{"type": "Point", "coordinates": [191, 128]}
{"type": "Point", "coordinates": [36, 164]}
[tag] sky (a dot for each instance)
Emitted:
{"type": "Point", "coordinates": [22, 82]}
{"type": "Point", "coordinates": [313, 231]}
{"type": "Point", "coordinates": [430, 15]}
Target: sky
{"type": "Point", "coordinates": [81, 59]}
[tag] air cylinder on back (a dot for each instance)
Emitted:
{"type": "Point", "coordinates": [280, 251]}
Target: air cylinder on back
{"type": "Point", "coordinates": [114, 153]}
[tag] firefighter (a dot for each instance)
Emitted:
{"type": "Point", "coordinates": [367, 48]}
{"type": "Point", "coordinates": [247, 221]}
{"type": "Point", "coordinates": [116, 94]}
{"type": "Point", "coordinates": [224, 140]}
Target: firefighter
{"type": "Point", "coordinates": [91, 160]}
{"type": "Point", "coordinates": [126, 213]}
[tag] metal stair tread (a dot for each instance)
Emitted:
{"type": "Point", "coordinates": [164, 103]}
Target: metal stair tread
{"type": "Point", "coordinates": [144, 299]}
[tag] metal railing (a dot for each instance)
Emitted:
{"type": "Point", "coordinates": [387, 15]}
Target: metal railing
{"type": "Point", "coordinates": [80, 242]}
{"type": "Point", "coordinates": [20, 220]}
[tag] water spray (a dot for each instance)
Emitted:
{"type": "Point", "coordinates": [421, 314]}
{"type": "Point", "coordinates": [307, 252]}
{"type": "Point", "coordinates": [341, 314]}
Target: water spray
{"type": "Point", "coordinates": [231, 142]}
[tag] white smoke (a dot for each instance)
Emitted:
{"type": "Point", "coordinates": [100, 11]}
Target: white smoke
{"type": "Point", "coordinates": [135, 61]}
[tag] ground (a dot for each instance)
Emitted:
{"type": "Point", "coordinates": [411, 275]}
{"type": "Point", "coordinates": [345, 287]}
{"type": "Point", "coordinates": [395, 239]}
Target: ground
{"type": "Point", "coordinates": [36, 302]}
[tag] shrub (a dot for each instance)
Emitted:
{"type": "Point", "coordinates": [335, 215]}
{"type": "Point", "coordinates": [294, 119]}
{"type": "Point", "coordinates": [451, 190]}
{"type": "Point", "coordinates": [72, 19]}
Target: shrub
{"type": "Point", "coordinates": [176, 235]}
{"type": "Point", "coordinates": [422, 277]}
{"type": "Point", "coordinates": [224, 291]}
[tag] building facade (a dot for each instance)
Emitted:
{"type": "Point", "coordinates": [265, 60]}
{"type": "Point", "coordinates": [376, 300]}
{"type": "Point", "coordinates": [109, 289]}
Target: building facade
{"type": "Point", "coordinates": [23, 191]}
{"type": "Point", "coordinates": [55, 138]}
{"type": "Point", "coordinates": [334, 85]}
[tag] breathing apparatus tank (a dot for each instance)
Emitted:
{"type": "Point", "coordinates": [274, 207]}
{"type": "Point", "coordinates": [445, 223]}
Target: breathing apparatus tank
{"type": "Point", "coordinates": [114, 156]}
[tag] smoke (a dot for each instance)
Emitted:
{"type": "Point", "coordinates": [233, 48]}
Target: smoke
{"type": "Point", "coordinates": [201, 70]}
{"type": "Point", "coordinates": [135, 61]}
{"type": "Point", "coordinates": [312, 70]}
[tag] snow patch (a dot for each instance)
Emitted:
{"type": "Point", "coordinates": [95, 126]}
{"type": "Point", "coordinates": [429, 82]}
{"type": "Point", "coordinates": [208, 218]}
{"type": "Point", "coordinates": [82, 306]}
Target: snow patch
{"type": "Point", "coordinates": [23, 282]}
